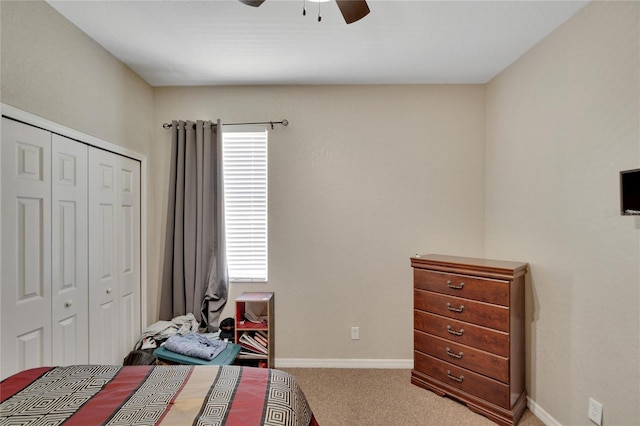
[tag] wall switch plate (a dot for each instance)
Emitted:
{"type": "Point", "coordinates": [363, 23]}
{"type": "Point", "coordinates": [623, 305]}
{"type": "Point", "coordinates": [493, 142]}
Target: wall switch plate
{"type": "Point", "coordinates": [355, 333]}
{"type": "Point", "coordinates": [595, 411]}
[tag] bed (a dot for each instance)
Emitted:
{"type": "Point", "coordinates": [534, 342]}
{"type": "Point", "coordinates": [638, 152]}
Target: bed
{"type": "Point", "coordinates": [153, 395]}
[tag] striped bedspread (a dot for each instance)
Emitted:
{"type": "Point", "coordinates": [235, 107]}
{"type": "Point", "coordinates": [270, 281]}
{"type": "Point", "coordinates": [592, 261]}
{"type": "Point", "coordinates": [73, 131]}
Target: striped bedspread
{"type": "Point", "coordinates": [153, 395]}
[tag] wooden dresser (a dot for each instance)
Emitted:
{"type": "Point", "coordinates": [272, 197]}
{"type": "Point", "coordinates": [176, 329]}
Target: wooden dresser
{"type": "Point", "coordinates": [469, 332]}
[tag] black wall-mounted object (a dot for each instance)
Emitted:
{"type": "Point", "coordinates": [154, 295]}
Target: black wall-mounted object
{"type": "Point", "coordinates": [630, 192]}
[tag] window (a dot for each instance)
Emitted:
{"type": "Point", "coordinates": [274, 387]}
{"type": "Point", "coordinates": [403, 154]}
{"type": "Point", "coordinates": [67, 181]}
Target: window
{"type": "Point", "coordinates": [245, 186]}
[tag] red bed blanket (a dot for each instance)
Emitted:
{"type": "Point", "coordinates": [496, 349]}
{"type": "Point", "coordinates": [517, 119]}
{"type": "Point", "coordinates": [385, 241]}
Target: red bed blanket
{"type": "Point", "coordinates": [153, 395]}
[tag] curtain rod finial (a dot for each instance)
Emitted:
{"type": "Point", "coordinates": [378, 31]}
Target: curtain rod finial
{"type": "Point", "coordinates": [285, 122]}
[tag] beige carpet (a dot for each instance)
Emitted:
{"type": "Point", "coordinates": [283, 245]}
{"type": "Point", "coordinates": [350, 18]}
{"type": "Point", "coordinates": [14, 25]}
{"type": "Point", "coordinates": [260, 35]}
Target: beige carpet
{"type": "Point", "coordinates": [380, 397]}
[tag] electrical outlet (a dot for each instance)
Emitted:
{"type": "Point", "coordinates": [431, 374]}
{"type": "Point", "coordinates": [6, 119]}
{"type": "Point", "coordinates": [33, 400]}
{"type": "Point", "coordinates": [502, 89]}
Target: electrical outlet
{"type": "Point", "coordinates": [595, 411]}
{"type": "Point", "coordinates": [355, 333]}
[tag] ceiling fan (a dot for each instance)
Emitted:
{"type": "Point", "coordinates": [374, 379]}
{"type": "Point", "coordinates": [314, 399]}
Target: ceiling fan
{"type": "Point", "coordinates": [352, 10]}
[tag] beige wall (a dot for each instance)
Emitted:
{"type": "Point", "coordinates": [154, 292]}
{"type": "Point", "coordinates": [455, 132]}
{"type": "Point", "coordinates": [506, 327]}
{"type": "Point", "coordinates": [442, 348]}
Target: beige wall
{"type": "Point", "coordinates": [363, 178]}
{"type": "Point", "coordinates": [561, 123]}
{"type": "Point", "coordinates": [52, 69]}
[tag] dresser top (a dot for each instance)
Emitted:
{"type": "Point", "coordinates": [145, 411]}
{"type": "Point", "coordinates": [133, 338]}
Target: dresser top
{"type": "Point", "coordinates": [479, 265]}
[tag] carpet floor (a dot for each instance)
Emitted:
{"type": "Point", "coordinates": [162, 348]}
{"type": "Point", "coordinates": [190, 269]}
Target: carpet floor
{"type": "Point", "coordinates": [382, 397]}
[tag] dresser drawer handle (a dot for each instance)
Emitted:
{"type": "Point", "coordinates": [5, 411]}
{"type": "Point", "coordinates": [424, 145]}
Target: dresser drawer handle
{"type": "Point", "coordinates": [455, 287]}
{"type": "Point", "coordinates": [460, 309]}
{"type": "Point", "coordinates": [457, 379]}
{"type": "Point", "coordinates": [455, 333]}
{"type": "Point", "coordinates": [460, 355]}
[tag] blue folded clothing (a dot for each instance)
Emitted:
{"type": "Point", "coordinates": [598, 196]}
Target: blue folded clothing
{"type": "Point", "coordinates": [195, 345]}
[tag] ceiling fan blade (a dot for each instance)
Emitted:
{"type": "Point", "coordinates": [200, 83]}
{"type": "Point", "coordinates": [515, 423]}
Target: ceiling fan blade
{"type": "Point", "coordinates": [254, 3]}
{"type": "Point", "coordinates": [352, 10]}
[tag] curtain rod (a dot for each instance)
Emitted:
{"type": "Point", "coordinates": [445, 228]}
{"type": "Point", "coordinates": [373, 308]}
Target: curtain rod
{"type": "Point", "coordinates": [284, 122]}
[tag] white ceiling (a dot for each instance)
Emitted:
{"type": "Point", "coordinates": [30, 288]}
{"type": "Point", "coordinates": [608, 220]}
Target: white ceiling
{"type": "Point", "coordinates": [224, 42]}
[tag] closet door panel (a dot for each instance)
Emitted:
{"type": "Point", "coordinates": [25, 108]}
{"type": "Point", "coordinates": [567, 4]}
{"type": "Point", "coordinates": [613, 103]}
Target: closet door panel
{"type": "Point", "coordinates": [104, 345]}
{"type": "Point", "coordinates": [104, 323]}
{"type": "Point", "coordinates": [69, 252]}
{"type": "Point", "coordinates": [26, 253]}
{"type": "Point", "coordinates": [129, 260]}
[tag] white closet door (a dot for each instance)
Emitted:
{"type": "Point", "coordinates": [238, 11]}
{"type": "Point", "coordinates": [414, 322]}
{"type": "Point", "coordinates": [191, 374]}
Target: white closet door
{"type": "Point", "coordinates": [114, 256]}
{"type": "Point", "coordinates": [26, 247]}
{"type": "Point", "coordinates": [69, 242]}
{"type": "Point", "coordinates": [129, 260]}
{"type": "Point", "coordinates": [70, 261]}
{"type": "Point", "coordinates": [104, 318]}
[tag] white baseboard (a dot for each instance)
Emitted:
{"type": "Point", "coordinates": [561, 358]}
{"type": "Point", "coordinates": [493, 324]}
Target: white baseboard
{"type": "Point", "coordinates": [343, 363]}
{"type": "Point", "coordinates": [541, 414]}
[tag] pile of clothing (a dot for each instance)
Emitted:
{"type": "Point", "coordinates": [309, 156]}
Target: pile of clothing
{"type": "Point", "coordinates": [180, 335]}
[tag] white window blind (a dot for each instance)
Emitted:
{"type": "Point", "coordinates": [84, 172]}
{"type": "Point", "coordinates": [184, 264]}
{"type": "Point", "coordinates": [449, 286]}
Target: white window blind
{"type": "Point", "coordinates": [245, 186]}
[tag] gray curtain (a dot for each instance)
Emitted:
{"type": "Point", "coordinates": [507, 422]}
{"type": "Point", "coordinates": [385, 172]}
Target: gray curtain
{"type": "Point", "coordinates": [195, 278]}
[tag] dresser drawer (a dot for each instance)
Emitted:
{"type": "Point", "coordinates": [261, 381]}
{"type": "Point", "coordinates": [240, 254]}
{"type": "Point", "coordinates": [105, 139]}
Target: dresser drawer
{"type": "Point", "coordinates": [482, 289]}
{"type": "Point", "coordinates": [480, 313]}
{"type": "Point", "coordinates": [483, 387]}
{"type": "Point", "coordinates": [483, 338]}
{"type": "Point", "coordinates": [482, 362]}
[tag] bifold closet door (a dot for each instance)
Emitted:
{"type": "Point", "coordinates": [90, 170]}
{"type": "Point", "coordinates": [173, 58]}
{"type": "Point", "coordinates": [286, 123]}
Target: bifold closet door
{"type": "Point", "coordinates": [114, 256]}
{"type": "Point", "coordinates": [26, 247]}
{"type": "Point", "coordinates": [44, 249]}
{"type": "Point", "coordinates": [69, 246]}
